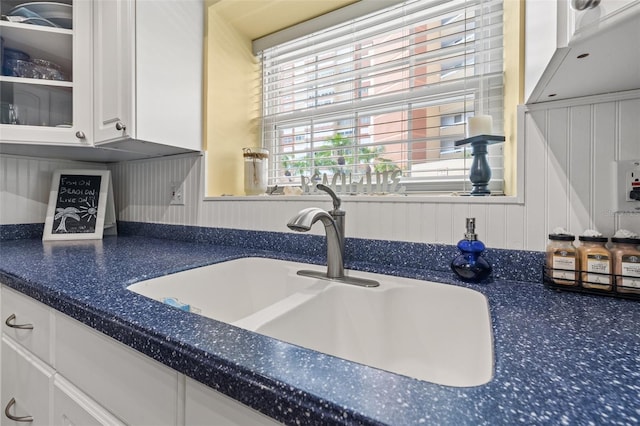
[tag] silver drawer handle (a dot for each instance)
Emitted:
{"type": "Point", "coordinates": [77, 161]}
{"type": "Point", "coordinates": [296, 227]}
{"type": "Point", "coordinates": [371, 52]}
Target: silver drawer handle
{"type": "Point", "coordinates": [121, 126]}
{"type": "Point", "coordinates": [25, 419]}
{"type": "Point", "coordinates": [10, 323]}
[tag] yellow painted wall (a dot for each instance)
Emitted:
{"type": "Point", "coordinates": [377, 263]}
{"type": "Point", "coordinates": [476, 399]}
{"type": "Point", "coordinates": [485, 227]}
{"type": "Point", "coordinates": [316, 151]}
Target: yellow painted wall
{"type": "Point", "coordinates": [232, 107]}
{"type": "Point", "coordinates": [513, 86]}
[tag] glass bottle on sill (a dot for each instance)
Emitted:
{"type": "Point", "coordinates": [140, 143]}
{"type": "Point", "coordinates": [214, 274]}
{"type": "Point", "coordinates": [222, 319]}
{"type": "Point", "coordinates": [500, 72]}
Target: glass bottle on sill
{"type": "Point", "coordinates": [255, 170]}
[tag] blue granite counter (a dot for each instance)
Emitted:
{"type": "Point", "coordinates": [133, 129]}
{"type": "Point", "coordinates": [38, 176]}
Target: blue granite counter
{"type": "Point", "coordinates": [560, 358]}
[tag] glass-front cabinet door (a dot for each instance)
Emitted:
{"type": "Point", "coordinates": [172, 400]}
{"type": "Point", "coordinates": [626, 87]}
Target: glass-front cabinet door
{"type": "Point", "coordinates": [45, 86]}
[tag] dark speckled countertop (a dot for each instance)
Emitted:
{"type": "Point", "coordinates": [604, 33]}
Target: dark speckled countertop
{"type": "Point", "coordinates": [560, 358]}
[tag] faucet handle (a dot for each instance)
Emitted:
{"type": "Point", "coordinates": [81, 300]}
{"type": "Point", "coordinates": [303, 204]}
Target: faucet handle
{"type": "Point", "coordinates": [336, 199]}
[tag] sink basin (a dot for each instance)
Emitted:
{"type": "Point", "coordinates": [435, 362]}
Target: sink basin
{"type": "Point", "coordinates": [227, 291]}
{"type": "Point", "coordinates": [429, 331]}
{"type": "Point", "coordinates": [432, 332]}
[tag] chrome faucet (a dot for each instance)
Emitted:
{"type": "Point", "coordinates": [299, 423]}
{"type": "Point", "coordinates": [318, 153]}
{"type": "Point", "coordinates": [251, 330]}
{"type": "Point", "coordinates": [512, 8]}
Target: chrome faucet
{"type": "Point", "coordinates": [333, 222]}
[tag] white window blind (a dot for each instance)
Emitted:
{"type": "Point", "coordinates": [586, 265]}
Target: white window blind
{"type": "Point", "coordinates": [388, 91]}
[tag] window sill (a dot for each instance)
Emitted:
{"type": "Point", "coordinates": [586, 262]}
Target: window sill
{"type": "Point", "coordinates": [451, 199]}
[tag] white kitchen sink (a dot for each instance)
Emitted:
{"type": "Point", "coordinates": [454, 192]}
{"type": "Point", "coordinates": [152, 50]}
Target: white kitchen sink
{"type": "Point", "coordinates": [429, 331]}
{"type": "Point", "coordinates": [227, 291]}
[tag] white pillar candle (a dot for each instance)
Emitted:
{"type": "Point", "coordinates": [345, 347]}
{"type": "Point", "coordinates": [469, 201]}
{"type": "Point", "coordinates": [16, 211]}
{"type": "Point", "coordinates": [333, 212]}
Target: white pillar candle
{"type": "Point", "coordinates": [479, 125]}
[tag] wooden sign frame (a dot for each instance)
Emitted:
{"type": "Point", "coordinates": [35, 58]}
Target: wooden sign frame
{"type": "Point", "coordinates": [79, 202]}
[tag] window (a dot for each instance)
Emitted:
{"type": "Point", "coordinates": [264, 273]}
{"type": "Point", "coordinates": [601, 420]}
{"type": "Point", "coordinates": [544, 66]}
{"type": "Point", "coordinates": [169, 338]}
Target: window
{"type": "Point", "coordinates": [389, 91]}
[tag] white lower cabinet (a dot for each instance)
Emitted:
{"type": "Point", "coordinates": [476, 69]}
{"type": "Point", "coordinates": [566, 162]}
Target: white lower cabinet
{"type": "Point", "coordinates": [27, 375]}
{"type": "Point", "coordinates": [82, 377]}
{"type": "Point", "coordinates": [135, 388]}
{"type": "Point", "coordinates": [26, 386]}
{"type": "Point", "coordinates": [71, 407]}
{"type": "Point", "coordinates": [204, 406]}
{"type": "Point", "coordinates": [28, 323]}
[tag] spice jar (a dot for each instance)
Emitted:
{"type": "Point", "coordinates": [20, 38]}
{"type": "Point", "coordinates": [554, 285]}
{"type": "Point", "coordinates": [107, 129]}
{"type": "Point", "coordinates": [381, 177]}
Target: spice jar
{"type": "Point", "coordinates": [255, 170]}
{"type": "Point", "coordinates": [561, 259]}
{"type": "Point", "coordinates": [594, 261]}
{"type": "Point", "coordinates": [626, 264]}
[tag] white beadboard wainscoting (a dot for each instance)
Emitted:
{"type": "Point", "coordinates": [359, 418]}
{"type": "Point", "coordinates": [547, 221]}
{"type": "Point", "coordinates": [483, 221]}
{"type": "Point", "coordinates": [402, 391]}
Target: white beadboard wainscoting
{"type": "Point", "coordinates": [25, 183]}
{"type": "Point", "coordinates": [568, 148]}
{"type": "Point", "coordinates": [142, 189]}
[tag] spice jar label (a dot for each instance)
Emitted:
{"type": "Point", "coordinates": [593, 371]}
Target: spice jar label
{"type": "Point", "coordinates": [631, 271]}
{"type": "Point", "coordinates": [564, 264]}
{"type": "Point", "coordinates": [600, 264]}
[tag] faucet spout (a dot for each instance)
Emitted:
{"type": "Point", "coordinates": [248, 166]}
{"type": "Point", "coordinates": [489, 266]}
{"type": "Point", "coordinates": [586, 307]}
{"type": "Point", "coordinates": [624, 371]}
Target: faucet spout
{"type": "Point", "coordinates": [333, 222]}
{"type": "Point", "coordinates": [304, 220]}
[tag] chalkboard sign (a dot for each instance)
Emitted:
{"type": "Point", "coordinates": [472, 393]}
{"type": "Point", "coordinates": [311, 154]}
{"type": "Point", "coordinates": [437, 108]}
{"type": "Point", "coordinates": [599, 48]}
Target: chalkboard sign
{"type": "Point", "coordinates": [78, 203]}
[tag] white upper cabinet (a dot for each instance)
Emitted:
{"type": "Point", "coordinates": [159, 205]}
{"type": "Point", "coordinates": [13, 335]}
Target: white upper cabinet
{"type": "Point", "coordinates": [106, 80]}
{"type": "Point", "coordinates": [148, 71]}
{"type": "Point", "coordinates": [572, 51]}
{"type": "Point", "coordinates": [114, 64]}
{"type": "Point", "coordinates": [46, 72]}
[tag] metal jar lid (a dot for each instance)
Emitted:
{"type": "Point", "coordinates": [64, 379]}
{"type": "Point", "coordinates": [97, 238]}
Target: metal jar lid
{"type": "Point", "coordinates": [562, 237]}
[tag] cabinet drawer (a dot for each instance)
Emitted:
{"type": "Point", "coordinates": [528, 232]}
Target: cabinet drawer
{"type": "Point", "coordinates": [133, 387]}
{"type": "Point", "coordinates": [72, 407]}
{"type": "Point", "coordinates": [28, 322]}
{"type": "Point", "coordinates": [206, 406]}
{"type": "Point", "coordinates": [27, 381]}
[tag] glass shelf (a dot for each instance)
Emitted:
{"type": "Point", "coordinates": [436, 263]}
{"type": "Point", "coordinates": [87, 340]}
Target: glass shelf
{"type": "Point", "coordinates": [36, 81]}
